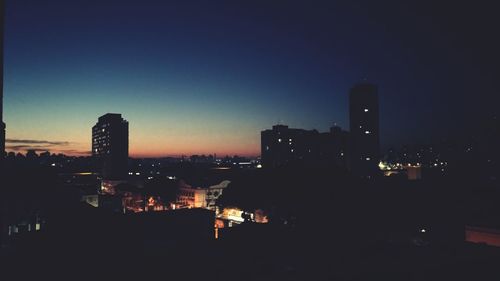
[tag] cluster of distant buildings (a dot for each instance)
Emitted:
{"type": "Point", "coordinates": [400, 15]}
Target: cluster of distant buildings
{"type": "Point", "coordinates": [357, 150]}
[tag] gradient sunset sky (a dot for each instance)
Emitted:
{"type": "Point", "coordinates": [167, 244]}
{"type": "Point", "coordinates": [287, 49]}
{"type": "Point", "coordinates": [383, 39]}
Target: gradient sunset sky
{"type": "Point", "coordinates": [204, 77]}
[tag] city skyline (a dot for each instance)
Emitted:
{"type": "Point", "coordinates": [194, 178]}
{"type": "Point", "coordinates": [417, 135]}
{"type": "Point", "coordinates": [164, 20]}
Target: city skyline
{"type": "Point", "coordinates": [197, 78]}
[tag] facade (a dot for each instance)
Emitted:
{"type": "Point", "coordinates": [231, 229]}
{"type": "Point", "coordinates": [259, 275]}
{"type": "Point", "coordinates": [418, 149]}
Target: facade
{"type": "Point", "coordinates": [364, 129]}
{"type": "Point", "coordinates": [282, 146]}
{"type": "Point", "coordinates": [196, 197]}
{"type": "Point", "coordinates": [110, 146]}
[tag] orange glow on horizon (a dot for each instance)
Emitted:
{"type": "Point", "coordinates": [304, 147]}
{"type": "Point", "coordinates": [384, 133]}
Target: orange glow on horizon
{"type": "Point", "coordinates": [151, 152]}
{"type": "Point", "coordinates": [141, 146]}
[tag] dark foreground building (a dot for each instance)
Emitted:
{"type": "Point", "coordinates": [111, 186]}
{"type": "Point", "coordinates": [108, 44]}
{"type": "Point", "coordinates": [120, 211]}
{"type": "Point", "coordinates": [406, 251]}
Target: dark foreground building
{"type": "Point", "coordinates": [2, 124]}
{"type": "Point", "coordinates": [364, 129]}
{"type": "Point", "coordinates": [110, 145]}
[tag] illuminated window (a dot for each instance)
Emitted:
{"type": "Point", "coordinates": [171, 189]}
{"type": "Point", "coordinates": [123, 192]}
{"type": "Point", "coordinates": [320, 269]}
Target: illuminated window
{"type": "Point", "coordinates": [367, 158]}
{"type": "Point", "coordinates": [279, 140]}
{"type": "Point", "coordinates": [367, 132]}
{"type": "Point", "coordinates": [366, 109]}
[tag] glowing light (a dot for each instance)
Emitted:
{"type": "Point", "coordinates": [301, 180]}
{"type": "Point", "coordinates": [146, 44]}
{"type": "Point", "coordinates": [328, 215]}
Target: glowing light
{"type": "Point", "coordinates": [423, 230]}
{"type": "Point", "coordinates": [382, 166]}
{"type": "Point", "coordinates": [151, 201]}
{"type": "Point", "coordinates": [259, 166]}
{"type": "Point", "coordinates": [233, 214]}
{"type": "Point", "coordinates": [366, 109]}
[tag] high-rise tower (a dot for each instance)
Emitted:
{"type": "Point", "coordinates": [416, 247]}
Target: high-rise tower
{"type": "Point", "coordinates": [110, 145]}
{"type": "Point", "coordinates": [364, 127]}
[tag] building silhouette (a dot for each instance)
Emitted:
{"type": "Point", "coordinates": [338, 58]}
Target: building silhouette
{"type": "Point", "coordinates": [339, 143]}
{"type": "Point", "coordinates": [282, 146]}
{"type": "Point", "coordinates": [2, 124]}
{"type": "Point", "coordinates": [110, 146]}
{"type": "Point", "coordinates": [364, 129]}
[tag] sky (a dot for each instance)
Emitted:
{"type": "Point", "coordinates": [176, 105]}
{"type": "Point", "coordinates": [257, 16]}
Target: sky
{"type": "Point", "coordinates": [204, 77]}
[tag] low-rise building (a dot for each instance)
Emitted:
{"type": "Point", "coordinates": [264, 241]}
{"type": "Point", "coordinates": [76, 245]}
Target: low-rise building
{"type": "Point", "coordinates": [199, 197]}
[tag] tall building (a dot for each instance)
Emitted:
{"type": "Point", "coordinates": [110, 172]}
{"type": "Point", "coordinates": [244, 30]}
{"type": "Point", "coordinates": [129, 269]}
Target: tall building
{"type": "Point", "coordinates": [282, 146]}
{"type": "Point", "coordinates": [364, 129]}
{"type": "Point", "coordinates": [110, 145]}
{"type": "Point", "coordinates": [2, 124]}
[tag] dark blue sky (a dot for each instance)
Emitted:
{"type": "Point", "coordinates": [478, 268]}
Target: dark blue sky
{"type": "Point", "coordinates": [207, 76]}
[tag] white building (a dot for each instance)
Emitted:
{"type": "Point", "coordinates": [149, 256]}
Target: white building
{"type": "Point", "coordinates": [197, 197]}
